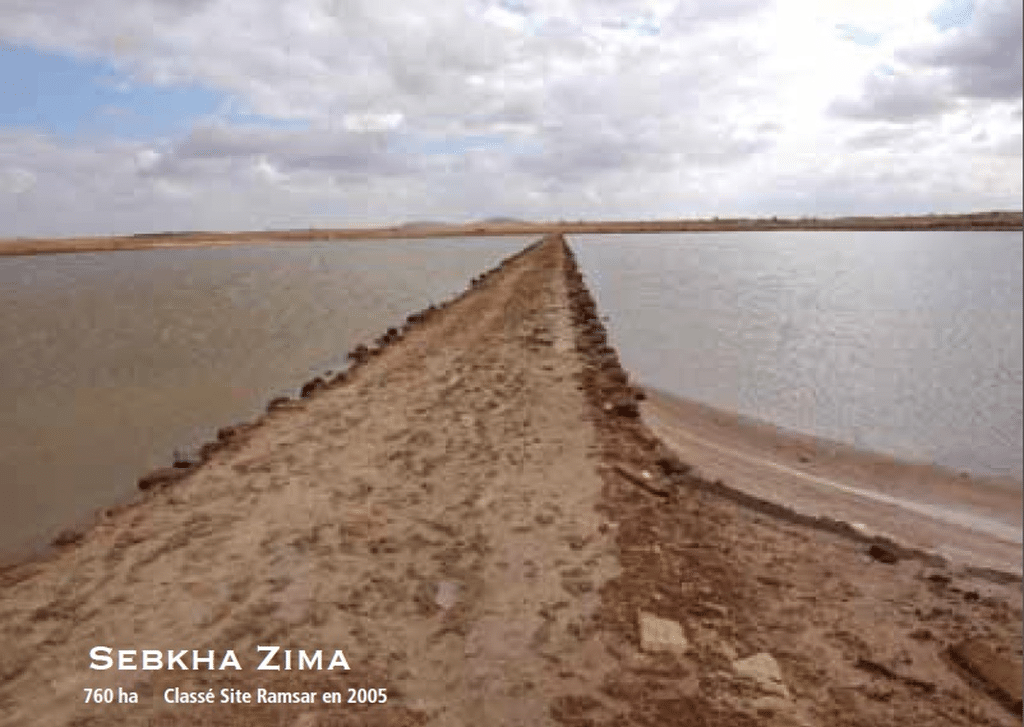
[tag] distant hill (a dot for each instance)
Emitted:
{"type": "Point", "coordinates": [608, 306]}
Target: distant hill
{"type": "Point", "coordinates": [422, 224]}
{"type": "Point", "coordinates": [995, 220]}
{"type": "Point", "coordinates": [502, 221]}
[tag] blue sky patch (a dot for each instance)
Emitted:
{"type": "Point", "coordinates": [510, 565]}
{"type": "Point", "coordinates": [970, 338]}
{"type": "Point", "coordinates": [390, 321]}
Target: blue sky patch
{"type": "Point", "coordinates": [247, 118]}
{"type": "Point", "coordinates": [518, 7]}
{"type": "Point", "coordinates": [860, 36]}
{"type": "Point", "coordinates": [73, 97]}
{"type": "Point", "coordinates": [643, 25]}
{"type": "Point", "coordinates": [952, 14]}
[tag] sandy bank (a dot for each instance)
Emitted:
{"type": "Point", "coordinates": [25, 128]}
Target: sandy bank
{"type": "Point", "coordinates": [478, 517]}
{"type": "Point", "coordinates": [970, 520]}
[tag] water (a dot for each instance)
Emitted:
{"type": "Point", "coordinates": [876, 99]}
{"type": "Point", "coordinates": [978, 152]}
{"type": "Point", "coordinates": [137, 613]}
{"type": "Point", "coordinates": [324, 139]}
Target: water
{"type": "Point", "coordinates": [906, 343]}
{"type": "Point", "coordinates": [110, 361]}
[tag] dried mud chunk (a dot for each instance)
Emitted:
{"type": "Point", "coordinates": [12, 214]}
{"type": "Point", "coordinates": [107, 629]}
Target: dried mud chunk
{"type": "Point", "coordinates": [162, 477]}
{"type": "Point", "coordinates": [1000, 674]}
{"type": "Point", "coordinates": [388, 337]}
{"type": "Point", "coordinates": [359, 353]}
{"type": "Point", "coordinates": [278, 402]}
{"type": "Point", "coordinates": [884, 554]}
{"type": "Point", "coordinates": [670, 464]}
{"type": "Point", "coordinates": [641, 478]}
{"type": "Point", "coordinates": [661, 634]}
{"type": "Point", "coordinates": [67, 537]}
{"type": "Point", "coordinates": [937, 577]}
{"type": "Point", "coordinates": [618, 376]}
{"type": "Point", "coordinates": [312, 386]}
{"type": "Point", "coordinates": [764, 671]}
{"type": "Point", "coordinates": [622, 408]}
{"type": "Point", "coordinates": [225, 434]}
{"type": "Point", "coordinates": [208, 450]}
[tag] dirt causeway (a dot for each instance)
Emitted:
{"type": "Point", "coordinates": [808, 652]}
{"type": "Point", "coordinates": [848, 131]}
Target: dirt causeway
{"type": "Point", "coordinates": [477, 517]}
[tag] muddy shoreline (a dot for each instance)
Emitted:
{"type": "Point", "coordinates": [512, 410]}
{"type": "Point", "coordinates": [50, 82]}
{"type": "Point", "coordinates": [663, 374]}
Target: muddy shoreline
{"type": "Point", "coordinates": [972, 520]}
{"type": "Point", "coordinates": [477, 513]}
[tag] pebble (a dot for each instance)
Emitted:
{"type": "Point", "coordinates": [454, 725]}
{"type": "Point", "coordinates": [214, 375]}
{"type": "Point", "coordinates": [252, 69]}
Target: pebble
{"type": "Point", "coordinates": [661, 635]}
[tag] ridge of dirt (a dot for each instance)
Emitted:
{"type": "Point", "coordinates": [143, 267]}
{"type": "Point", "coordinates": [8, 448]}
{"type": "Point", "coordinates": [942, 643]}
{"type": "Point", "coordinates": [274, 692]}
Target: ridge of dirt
{"type": "Point", "coordinates": [431, 511]}
{"type": "Point", "coordinates": [475, 513]}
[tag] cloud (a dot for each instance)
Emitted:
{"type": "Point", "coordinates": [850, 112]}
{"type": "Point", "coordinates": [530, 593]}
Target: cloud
{"type": "Point", "coordinates": [897, 98]}
{"type": "Point", "coordinates": [372, 122]}
{"type": "Point", "coordinates": [146, 159]}
{"type": "Point", "coordinates": [977, 61]}
{"type": "Point", "coordinates": [15, 180]}
{"type": "Point", "coordinates": [882, 137]}
{"type": "Point", "coordinates": [219, 149]}
{"type": "Point", "coordinates": [358, 112]}
{"type": "Point", "coordinates": [982, 59]}
{"type": "Point", "coordinates": [688, 14]}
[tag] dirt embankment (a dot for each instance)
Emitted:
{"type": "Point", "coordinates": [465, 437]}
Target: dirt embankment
{"type": "Point", "coordinates": [1012, 221]}
{"type": "Point", "coordinates": [476, 515]}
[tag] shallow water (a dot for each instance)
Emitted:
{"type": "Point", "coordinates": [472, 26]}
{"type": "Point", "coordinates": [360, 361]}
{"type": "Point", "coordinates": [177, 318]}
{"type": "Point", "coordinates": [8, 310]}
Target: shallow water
{"type": "Point", "coordinates": [906, 343]}
{"type": "Point", "coordinates": [113, 360]}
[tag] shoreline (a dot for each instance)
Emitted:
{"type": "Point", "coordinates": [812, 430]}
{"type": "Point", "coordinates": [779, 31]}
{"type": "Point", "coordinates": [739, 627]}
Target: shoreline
{"type": "Point", "coordinates": [231, 436]}
{"type": "Point", "coordinates": [974, 520]}
{"type": "Point", "coordinates": [992, 221]}
{"type": "Point", "coordinates": [478, 515]}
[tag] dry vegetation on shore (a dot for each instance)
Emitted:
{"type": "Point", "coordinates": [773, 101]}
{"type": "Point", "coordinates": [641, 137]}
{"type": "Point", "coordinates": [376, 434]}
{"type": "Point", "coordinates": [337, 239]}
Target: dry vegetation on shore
{"type": "Point", "coordinates": [141, 241]}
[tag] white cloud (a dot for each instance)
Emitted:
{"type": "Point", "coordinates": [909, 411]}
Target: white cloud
{"type": "Point", "coordinates": [557, 108]}
{"type": "Point", "coordinates": [264, 170]}
{"type": "Point", "coordinates": [16, 180]}
{"type": "Point", "coordinates": [372, 122]}
{"type": "Point", "coordinates": [146, 159]}
{"type": "Point", "coordinates": [932, 72]}
{"type": "Point", "coordinates": [897, 97]}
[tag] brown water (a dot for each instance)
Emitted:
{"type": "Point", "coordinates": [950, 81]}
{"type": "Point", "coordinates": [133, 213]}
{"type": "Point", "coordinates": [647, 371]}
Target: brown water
{"type": "Point", "coordinates": [111, 361]}
{"type": "Point", "coordinates": [905, 343]}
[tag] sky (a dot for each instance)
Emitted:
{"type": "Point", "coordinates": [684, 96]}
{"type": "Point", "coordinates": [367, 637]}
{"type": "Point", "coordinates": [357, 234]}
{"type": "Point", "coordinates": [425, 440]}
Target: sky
{"type": "Point", "coordinates": [161, 115]}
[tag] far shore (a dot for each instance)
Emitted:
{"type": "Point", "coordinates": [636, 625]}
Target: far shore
{"type": "Point", "coordinates": [1006, 221]}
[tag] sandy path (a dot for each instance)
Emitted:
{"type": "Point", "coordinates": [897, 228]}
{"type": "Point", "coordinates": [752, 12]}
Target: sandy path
{"type": "Point", "coordinates": [434, 517]}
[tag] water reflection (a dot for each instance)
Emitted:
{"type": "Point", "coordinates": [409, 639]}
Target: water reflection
{"type": "Point", "coordinates": [112, 360]}
{"type": "Point", "coordinates": [904, 343]}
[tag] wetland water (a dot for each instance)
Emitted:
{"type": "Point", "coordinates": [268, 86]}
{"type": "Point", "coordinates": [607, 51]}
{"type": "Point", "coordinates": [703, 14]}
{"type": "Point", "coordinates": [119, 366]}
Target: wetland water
{"type": "Point", "coordinates": [111, 361]}
{"type": "Point", "coordinates": [905, 343]}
